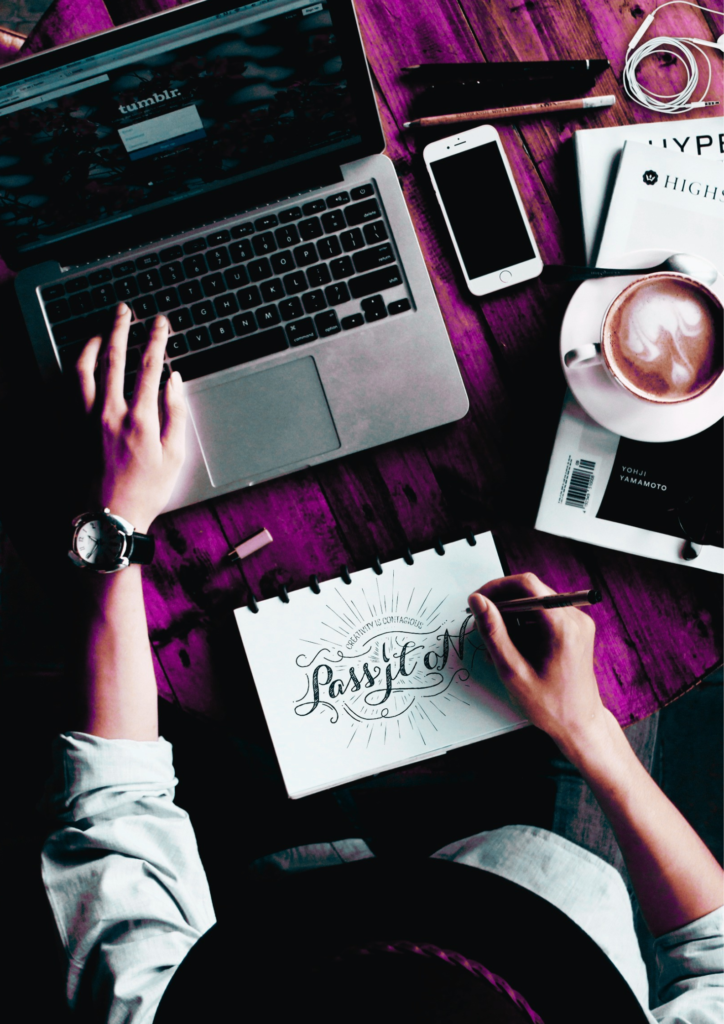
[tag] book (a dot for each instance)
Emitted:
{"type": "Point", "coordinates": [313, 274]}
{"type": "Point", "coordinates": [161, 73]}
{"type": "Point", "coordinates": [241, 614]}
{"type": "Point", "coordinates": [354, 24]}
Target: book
{"type": "Point", "coordinates": [377, 670]}
{"type": "Point", "coordinates": [597, 152]}
{"type": "Point", "coordinates": [648, 499]}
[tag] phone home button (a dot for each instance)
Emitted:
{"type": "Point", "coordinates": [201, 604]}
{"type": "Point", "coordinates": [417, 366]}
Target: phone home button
{"type": "Point", "coordinates": [505, 276]}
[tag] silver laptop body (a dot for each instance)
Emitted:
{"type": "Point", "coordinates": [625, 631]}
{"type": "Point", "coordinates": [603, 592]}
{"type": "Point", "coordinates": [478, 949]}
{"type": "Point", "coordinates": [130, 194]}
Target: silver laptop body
{"type": "Point", "coordinates": [305, 327]}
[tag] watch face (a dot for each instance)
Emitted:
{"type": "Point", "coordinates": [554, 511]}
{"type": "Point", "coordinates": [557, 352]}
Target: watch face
{"type": "Point", "coordinates": [99, 543]}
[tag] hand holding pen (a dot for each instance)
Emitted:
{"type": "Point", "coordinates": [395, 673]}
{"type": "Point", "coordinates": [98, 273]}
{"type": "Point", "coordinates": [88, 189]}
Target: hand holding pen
{"type": "Point", "coordinates": [547, 668]}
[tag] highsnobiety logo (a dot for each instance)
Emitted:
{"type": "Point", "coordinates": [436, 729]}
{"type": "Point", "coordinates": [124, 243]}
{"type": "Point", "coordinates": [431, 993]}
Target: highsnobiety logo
{"type": "Point", "coordinates": [650, 177]}
{"type": "Point", "coordinates": [150, 101]}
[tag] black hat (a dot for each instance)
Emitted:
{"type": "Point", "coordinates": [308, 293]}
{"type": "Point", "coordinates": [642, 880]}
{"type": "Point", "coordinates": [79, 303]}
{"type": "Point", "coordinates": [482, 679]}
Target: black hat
{"type": "Point", "coordinates": [312, 941]}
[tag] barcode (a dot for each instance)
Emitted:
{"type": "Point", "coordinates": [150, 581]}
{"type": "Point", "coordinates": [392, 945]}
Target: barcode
{"type": "Point", "coordinates": [579, 486]}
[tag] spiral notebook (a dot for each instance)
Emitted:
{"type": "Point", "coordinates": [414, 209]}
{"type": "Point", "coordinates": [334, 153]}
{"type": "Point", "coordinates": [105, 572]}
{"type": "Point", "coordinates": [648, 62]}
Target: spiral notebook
{"type": "Point", "coordinates": [378, 669]}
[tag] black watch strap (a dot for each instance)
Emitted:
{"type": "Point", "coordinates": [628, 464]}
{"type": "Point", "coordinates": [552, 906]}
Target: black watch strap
{"type": "Point", "coordinates": [142, 549]}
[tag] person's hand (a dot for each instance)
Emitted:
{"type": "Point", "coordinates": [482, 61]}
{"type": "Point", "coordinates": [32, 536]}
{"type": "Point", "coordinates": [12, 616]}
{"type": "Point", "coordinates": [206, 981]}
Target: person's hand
{"type": "Point", "coordinates": [142, 451]}
{"type": "Point", "coordinates": [548, 671]}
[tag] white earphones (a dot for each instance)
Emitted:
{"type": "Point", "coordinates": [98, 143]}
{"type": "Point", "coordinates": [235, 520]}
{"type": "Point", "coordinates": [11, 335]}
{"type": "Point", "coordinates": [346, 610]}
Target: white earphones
{"type": "Point", "coordinates": [676, 47]}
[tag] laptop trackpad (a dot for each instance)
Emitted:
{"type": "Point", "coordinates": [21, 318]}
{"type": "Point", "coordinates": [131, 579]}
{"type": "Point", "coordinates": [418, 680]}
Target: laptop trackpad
{"type": "Point", "coordinates": [263, 421]}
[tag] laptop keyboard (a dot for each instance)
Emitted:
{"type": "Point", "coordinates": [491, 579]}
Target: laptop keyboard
{"type": "Point", "coordinates": [243, 292]}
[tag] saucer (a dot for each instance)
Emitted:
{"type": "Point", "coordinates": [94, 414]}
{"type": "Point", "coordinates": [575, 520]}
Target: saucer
{"type": "Point", "coordinates": [607, 402]}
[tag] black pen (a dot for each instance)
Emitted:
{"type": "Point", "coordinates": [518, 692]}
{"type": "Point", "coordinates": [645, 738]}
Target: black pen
{"type": "Point", "coordinates": [497, 71]}
{"type": "Point", "coordinates": [534, 604]}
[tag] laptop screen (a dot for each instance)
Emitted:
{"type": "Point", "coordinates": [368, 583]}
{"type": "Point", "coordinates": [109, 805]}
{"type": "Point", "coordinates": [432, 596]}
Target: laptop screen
{"type": "Point", "coordinates": [182, 112]}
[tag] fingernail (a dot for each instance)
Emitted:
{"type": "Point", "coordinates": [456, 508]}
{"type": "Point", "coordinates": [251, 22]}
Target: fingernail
{"type": "Point", "coordinates": [162, 321]}
{"type": "Point", "coordinates": [176, 381]}
{"type": "Point", "coordinates": [479, 607]}
{"type": "Point", "coordinates": [123, 309]}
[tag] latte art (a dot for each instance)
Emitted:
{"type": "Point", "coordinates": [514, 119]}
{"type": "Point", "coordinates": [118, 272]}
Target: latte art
{"type": "Point", "coordinates": [663, 338]}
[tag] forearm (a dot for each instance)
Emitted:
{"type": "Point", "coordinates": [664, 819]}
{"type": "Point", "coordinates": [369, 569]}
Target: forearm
{"type": "Point", "coordinates": [676, 878]}
{"type": "Point", "coordinates": [118, 685]}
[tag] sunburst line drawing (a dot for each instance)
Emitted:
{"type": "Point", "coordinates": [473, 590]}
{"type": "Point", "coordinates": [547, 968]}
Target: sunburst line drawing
{"type": "Point", "coordinates": [334, 629]}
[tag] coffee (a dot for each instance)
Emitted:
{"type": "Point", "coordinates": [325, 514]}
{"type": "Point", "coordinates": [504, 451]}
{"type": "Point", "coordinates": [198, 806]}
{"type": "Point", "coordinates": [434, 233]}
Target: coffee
{"type": "Point", "coordinates": [662, 338]}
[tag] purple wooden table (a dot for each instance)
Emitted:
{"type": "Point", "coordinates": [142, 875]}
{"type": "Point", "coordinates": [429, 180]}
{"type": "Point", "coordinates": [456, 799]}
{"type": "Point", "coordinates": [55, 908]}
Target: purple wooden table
{"type": "Point", "coordinates": [659, 626]}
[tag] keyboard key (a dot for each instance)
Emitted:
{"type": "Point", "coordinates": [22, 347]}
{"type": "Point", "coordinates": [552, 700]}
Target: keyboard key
{"type": "Point", "coordinates": [242, 350]}
{"type": "Point", "coordinates": [286, 236]}
{"type": "Point", "coordinates": [288, 215]}
{"type": "Point", "coordinates": [218, 238]}
{"type": "Point", "coordinates": [56, 311]}
{"type": "Point", "coordinates": [380, 256]}
{"type": "Point", "coordinates": [145, 307]}
{"type": "Point", "coordinates": [176, 345]}
{"type": "Point", "coordinates": [167, 300]}
{"type": "Point", "coordinates": [318, 206]}
{"type": "Point", "coordinates": [264, 244]}
{"type": "Point", "coordinates": [245, 323]}
{"type": "Point", "coordinates": [240, 251]}
{"type": "Point", "coordinates": [149, 281]}
{"type": "Point", "coordinates": [217, 259]}
{"type": "Point", "coordinates": [264, 223]}
{"type": "Point", "coordinates": [338, 199]}
{"type": "Point", "coordinates": [99, 276]}
{"type": "Point", "coordinates": [133, 360]}
{"type": "Point", "coordinates": [78, 285]}
{"type": "Point", "coordinates": [309, 229]}
{"type": "Point", "coordinates": [195, 266]}
{"type": "Point", "coordinates": [282, 262]}
{"type": "Point", "coordinates": [374, 308]}
{"type": "Point", "coordinates": [267, 316]}
{"type": "Point", "coordinates": [55, 291]}
{"type": "Point", "coordinates": [213, 284]}
{"type": "Point", "coordinates": [123, 269]}
{"type": "Point", "coordinates": [174, 252]}
{"type": "Point", "coordinates": [129, 385]}
{"type": "Point", "coordinates": [329, 247]}
{"type": "Point", "coordinates": [375, 232]}
{"type": "Point", "coordinates": [69, 331]}
{"type": "Point", "coordinates": [259, 269]}
{"type": "Point", "coordinates": [225, 305]}
{"type": "Point", "coordinates": [352, 240]}
{"type": "Point", "coordinates": [198, 338]}
{"type": "Point", "coordinates": [294, 283]}
{"type": "Point", "coordinates": [336, 294]}
{"type": "Point", "coordinates": [305, 255]}
{"type": "Point", "coordinates": [236, 277]}
{"type": "Point", "coordinates": [137, 334]}
{"type": "Point", "coordinates": [318, 275]}
{"type": "Point", "coordinates": [341, 268]}
{"type": "Point", "coordinates": [248, 297]}
{"type": "Point", "coordinates": [149, 260]}
{"type": "Point", "coordinates": [301, 331]}
{"type": "Point", "coordinates": [202, 312]}
{"type": "Point", "coordinates": [359, 212]}
{"type": "Point", "coordinates": [242, 230]}
{"type": "Point", "coordinates": [180, 320]}
{"type": "Point", "coordinates": [290, 309]}
{"type": "Point", "coordinates": [327, 323]}
{"type": "Point", "coordinates": [362, 192]}
{"type": "Point", "coordinates": [377, 281]}
{"type": "Point", "coordinates": [348, 322]}
{"type": "Point", "coordinates": [103, 296]}
{"type": "Point", "coordinates": [69, 355]}
{"type": "Point", "coordinates": [314, 301]}
{"type": "Point", "coordinates": [99, 322]}
{"type": "Point", "coordinates": [272, 290]}
{"type": "Point", "coordinates": [401, 306]}
{"type": "Point", "coordinates": [81, 303]}
{"type": "Point", "coordinates": [333, 221]}
{"type": "Point", "coordinates": [195, 245]}
{"type": "Point", "coordinates": [172, 273]}
{"type": "Point", "coordinates": [221, 331]}
{"type": "Point", "coordinates": [190, 292]}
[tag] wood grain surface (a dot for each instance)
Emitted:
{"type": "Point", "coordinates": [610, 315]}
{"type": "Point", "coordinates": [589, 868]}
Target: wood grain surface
{"type": "Point", "coordinates": [659, 626]}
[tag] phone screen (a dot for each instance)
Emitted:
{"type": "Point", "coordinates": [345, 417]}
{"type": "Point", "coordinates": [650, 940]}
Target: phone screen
{"type": "Point", "coordinates": [482, 209]}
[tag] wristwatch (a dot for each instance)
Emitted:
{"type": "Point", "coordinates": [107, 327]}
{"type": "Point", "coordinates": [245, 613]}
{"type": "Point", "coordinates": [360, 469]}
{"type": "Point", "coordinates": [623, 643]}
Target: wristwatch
{"type": "Point", "coordinates": [107, 543]}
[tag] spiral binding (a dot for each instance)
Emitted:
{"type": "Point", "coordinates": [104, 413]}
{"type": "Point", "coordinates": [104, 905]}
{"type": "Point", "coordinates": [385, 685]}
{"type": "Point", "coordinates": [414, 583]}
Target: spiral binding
{"type": "Point", "coordinates": [345, 576]}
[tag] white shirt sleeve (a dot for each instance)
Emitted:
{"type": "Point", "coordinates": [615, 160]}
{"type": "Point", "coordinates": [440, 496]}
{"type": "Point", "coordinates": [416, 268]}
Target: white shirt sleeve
{"type": "Point", "coordinates": [690, 963]}
{"type": "Point", "coordinates": [122, 871]}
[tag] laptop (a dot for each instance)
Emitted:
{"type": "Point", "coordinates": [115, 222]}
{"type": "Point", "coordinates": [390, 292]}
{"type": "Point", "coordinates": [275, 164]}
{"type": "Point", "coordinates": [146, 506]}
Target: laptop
{"type": "Point", "coordinates": [222, 164]}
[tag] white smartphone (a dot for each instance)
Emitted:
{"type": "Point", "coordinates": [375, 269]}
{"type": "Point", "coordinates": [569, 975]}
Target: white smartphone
{"type": "Point", "coordinates": [483, 210]}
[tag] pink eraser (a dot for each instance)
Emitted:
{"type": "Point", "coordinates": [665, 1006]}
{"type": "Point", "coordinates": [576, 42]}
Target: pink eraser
{"type": "Point", "coordinates": [259, 540]}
